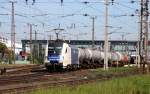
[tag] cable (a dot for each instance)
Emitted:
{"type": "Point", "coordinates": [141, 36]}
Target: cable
{"type": "Point", "coordinates": [63, 14]}
{"type": "Point", "coordinates": [124, 6]}
{"type": "Point", "coordinates": [84, 2]}
{"type": "Point", "coordinates": [49, 16]}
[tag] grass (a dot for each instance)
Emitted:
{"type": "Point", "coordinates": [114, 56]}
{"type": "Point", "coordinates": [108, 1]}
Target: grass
{"type": "Point", "coordinates": [112, 71]}
{"type": "Point", "coordinates": [128, 85]}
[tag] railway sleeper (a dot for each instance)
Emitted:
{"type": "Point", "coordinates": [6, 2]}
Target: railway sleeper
{"type": "Point", "coordinates": [3, 71]}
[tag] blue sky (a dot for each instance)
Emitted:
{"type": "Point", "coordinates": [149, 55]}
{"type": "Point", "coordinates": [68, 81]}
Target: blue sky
{"type": "Point", "coordinates": [48, 14]}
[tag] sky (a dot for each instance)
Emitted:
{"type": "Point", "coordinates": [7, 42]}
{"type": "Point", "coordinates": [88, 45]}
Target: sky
{"type": "Point", "coordinates": [47, 15]}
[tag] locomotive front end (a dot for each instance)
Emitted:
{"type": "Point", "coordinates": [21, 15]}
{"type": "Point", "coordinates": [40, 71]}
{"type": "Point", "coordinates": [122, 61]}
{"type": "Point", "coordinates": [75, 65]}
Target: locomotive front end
{"type": "Point", "coordinates": [54, 56]}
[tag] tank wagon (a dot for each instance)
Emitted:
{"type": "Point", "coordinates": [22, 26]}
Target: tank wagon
{"type": "Point", "coordinates": [60, 55]}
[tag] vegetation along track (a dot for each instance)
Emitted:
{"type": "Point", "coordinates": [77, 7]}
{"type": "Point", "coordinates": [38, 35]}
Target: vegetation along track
{"type": "Point", "coordinates": [33, 80]}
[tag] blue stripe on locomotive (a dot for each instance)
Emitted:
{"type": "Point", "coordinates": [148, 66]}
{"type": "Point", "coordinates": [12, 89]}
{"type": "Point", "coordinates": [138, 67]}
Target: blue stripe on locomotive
{"type": "Point", "coordinates": [55, 58]}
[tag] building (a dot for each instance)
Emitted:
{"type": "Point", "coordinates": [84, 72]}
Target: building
{"type": "Point", "coordinates": [114, 45]}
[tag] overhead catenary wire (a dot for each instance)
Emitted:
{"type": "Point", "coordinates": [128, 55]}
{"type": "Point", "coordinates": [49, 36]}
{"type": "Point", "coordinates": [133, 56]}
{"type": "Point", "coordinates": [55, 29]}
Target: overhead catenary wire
{"type": "Point", "coordinates": [62, 16]}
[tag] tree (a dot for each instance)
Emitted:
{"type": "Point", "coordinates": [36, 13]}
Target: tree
{"type": "Point", "coordinates": [6, 53]}
{"type": "Point", "coordinates": [2, 49]}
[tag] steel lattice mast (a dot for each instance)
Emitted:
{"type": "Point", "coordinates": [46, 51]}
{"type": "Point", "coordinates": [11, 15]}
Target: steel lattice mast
{"type": "Point", "coordinates": [144, 33]}
{"type": "Point", "coordinates": [13, 31]}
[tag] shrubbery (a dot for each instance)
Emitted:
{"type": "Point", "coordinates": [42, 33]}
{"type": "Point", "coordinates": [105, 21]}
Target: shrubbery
{"type": "Point", "coordinates": [6, 54]}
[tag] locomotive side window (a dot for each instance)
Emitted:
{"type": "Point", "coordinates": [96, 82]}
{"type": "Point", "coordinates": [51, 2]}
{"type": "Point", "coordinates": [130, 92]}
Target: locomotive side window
{"type": "Point", "coordinates": [66, 50]}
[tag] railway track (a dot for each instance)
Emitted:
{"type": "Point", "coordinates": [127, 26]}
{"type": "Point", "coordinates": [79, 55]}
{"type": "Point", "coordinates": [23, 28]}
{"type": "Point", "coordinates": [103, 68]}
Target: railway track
{"type": "Point", "coordinates": [11, 70]}
{"type": "Point", "coordinates": [28, 87]}
{"type": "Point", "coordinates": [24, 78]}
{"type": "Point", "coordinates": [20, 84]}
{"type": "Point", "coordinates": [17, 84]}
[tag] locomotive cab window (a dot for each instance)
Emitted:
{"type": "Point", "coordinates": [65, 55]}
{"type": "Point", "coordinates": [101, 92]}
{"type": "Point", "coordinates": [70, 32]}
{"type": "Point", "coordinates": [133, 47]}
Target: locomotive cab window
{"type": "Point", "coordinates": [58, 49]}
{"type": "Point", "coordinates": [66, 50]}
{"type": "Point", "coordinates": [50, 50]}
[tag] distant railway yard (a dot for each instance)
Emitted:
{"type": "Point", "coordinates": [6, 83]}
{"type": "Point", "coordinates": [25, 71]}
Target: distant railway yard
{"type": "Point", "coordinates": [28, 78]}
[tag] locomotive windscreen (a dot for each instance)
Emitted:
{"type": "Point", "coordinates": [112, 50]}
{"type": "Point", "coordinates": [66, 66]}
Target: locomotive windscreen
{"type": "Point", "coordinates": [55, 48]}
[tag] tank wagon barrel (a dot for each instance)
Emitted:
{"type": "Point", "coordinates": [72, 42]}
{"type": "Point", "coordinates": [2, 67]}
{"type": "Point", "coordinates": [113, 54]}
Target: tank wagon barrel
{"type": "Point", "coordinates": [96, 57]}
{"type": "Point", "coordinates": [88, 57]}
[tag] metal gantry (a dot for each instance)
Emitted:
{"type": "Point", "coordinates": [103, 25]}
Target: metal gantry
{"type": "Point", "coordinates": [143, 51]}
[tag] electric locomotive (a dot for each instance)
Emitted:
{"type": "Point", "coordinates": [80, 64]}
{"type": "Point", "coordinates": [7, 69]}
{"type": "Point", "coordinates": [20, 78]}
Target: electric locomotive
{"type": "Point", "coordinates": [60, 55]}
